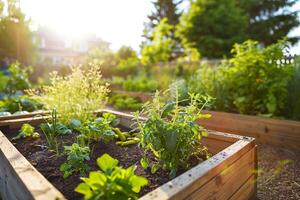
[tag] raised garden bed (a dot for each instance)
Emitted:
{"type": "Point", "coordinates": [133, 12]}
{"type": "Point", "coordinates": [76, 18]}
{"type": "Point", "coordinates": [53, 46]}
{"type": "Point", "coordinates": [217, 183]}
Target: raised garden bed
{"type": "Point", "coordinates": [229, 174]}
{"type": "Point", "coordinates": [283, 133]}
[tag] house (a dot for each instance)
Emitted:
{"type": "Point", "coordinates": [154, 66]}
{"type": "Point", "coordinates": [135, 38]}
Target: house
{"type": "Point", "coordinates": [54, 49]}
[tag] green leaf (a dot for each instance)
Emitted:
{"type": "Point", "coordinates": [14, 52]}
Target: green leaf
{"type": "Point", "coordinates": [107, 163]}
{"type": "Point", "coordinates": [154, 168]}
{"type": "Point", "coordinates": [204, 133]}
{"type": "Point", "coordinates": [138, 182]}
{"type": "Point", "coordinates": [144, 162]}
{"type": "Point", "coordinates": [205, 116]}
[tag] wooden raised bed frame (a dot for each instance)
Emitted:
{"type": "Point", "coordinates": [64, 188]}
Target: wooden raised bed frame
{"type": "Point", "coordinates": [229, 174]}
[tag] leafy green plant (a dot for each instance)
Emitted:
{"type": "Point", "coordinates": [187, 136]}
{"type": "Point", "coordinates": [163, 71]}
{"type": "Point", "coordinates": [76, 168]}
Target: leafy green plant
{"type": "Point", "coordinates": [52, 129]}
{"type": "Point", "coordinates": [76, 157]}
{"type": "Point", "coordinates": [19, 103]}
{"type": "Point", "coordinates": [76, 96]}
{"type": "Point", "coordinates": [140, 83]}
{"type": "Point", "coordinates": [99, 129]}
{"type": "Point", "coordinates": [253, 82]}
{"type": "Point", "coordinates": [17, 78]}
{"type": "Point", "coordinates": [171, 132]}
{"type": "Point", "coordinates": [27, 131]}
{"type": "Point", "coordinates": [112, 182]}
{"type": "Point", "coordinates": [125, 102]}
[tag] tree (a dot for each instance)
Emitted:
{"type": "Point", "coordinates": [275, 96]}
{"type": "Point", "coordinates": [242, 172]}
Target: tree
{"type": "Point", "coordinates": [163, 9]}
{"type": "Point", "coordinates": [16, 38]}
{"type": "Point", "coordinates": [212, 27]}
{"type": "Point", "coordinates": [270, 20]}
{"type": "Point", "coordinates": [160, 50]}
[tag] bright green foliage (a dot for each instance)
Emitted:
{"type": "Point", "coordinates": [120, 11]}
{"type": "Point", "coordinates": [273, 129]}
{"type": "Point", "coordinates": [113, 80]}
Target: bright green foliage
{"type": "Point", "coordinates": [76, 96]}
{"type": "Point", "coordinates": [16, 38]}
{"type": "Point", "coordinates": [52, 129]}
{"type": "Point", "coordinates": [3, 81]}
{"type": "Point", "coordinates": [141, 83]}
{"type": "Point", "coordinates": [17, 79]}
{"type": "Point", "coordinates": [112, 182]}
{"type": "Point", "coordinates": [212, 27]}
{"type": "Point", "coordinates": [128, 66]}
{"type": "Point", "coordinates": [171, 131]}
{"type": "Point", "coordinates": [252, 82]}
{"type": "Point", "coordinates": [125, 102]}
{"type": "Point", "coordinates": [99, 129]}
{"type": "Point", "coordinates": [26, 131]}
{"type": "Point", "coordinates": [160, 50]}
{"type": "Point", "coordinates": [21, 103]}
{"type": "Point", "coordinates": [76, 157]}
{"type": "Point", "coordinates": [292, 108]}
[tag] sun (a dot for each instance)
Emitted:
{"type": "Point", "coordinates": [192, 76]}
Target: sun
{"type": "Point", "coordinates": [116, 21]}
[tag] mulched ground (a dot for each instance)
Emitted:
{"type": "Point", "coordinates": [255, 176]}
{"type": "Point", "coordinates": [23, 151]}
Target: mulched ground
{"type": "Point", "coordinates": [279, 173]}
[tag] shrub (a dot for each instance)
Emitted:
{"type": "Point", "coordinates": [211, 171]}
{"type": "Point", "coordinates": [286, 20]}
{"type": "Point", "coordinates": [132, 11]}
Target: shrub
{"type": "Point", "coordinates": [252, 82]}
{"type": "Point", "coordinates": [140, 83]}
{"type": "Point", "coordinates": [76, 96]}
{"type": "Point", "coordinates": [292, 109]}
{"type": "Point", "coordinates": [125, 102]}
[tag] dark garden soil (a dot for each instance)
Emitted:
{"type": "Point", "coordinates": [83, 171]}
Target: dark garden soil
{"type": "Point", "coordinates": [47, 163]}
{"type": "Point", "coordinates": [279, 173]}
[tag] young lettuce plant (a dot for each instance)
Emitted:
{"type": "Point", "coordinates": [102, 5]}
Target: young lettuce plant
{"type": "Point", "coordinates": [76, 156]}
{"type": "Point", "coordinates": [26, 131]}
{"type": "Point", "coordinates": [112, 182]}
{"type": "Point", "coordinates": [99, 129]}
{"type": "Point", "coordinates": [171, 132]}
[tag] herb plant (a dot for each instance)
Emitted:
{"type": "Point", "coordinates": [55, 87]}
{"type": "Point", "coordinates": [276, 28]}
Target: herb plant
{"type": "Point", "coordinates": [76, 157]}
{"type": "Point", "coordinates": [75, 96]}
{"type": "Point", "coordinates": [112, 182]}
{"type": "Point", "coordinates": [27, 131]}
{"type": "Point", "coordinates": [52, 129]}
{"type": "Point", "coordinates": [171, 132]}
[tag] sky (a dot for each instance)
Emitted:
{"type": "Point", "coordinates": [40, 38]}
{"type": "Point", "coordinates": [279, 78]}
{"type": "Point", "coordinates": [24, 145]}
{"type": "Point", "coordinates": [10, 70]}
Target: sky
{"type": "Point", "coordinates": [120, 22]}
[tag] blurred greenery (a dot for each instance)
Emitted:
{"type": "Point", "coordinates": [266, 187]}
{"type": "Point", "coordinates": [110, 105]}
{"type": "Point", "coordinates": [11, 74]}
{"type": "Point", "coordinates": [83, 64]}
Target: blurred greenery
{"type": "Point", "coordinates": [16, 38]}
{"type": "Point", "coordinates": [252, 82]}
{"type": "Point", "coordinates": [212, 27]}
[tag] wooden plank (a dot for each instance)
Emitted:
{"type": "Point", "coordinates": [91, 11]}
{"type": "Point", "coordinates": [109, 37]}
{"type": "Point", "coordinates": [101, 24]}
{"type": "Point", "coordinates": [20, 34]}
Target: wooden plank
{"type": "Point", "coordinates": [17, 123]}
{"type": "Point", "coordinates": [247, 191]}
{"type": "Point", "coordinates": [28, 115]}
{"type": "Point", "coordinates": [19, 179]}
{"type": "Point", "coordinates": [277, 132]}
{"type": "Point", "coordinates": [228, 181]}
{"type": "Point", "coordinates": [190, 181]}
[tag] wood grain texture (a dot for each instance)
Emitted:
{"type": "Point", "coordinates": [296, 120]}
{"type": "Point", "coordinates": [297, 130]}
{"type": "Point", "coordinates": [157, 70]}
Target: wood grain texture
{"type": "Point", "coordinates": [28, 115]}
{"type": "Point", "coordinates": [282, 133]}
{"type": "Point", "coordinates": [19, 179]}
